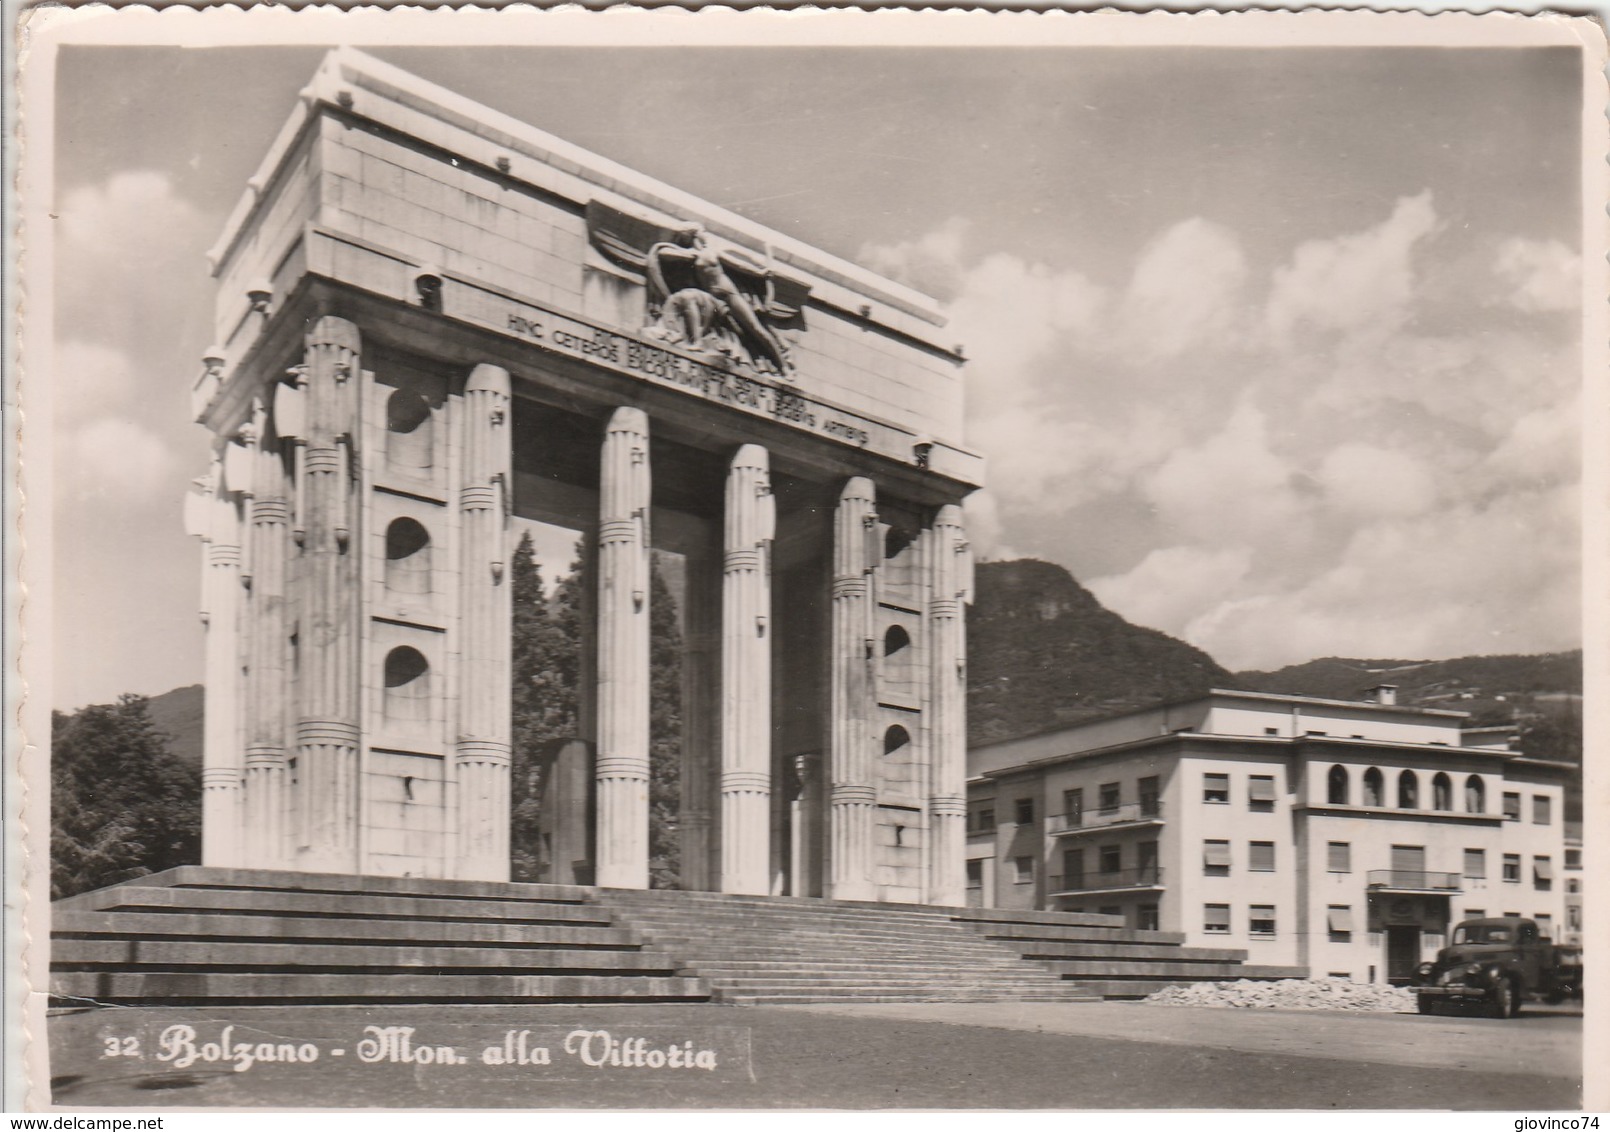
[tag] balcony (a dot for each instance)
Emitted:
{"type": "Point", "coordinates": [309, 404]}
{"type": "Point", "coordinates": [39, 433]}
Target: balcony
{"type": "Point", "coordinates": [1128, 813]}
{"type": "Point", "coordinates": [1411, 880]}
{"type": "Point", "coordinates": [1145, 877]}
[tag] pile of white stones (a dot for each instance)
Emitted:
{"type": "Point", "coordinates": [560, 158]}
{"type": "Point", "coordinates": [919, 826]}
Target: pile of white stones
{"type": "Point", "coordinates": [1290, 994]}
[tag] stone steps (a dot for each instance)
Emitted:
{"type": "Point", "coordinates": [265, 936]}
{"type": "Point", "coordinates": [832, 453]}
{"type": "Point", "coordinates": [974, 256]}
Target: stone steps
{"type": "Point", "coordinates": [197, 935]}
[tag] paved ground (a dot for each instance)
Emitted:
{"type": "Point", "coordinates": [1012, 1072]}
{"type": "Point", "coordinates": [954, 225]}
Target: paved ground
{"type": "Point", "coordinates": [1020, 1056]}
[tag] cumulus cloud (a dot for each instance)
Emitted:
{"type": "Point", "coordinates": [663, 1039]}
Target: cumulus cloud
{"type": "Point", "coordinates": [931, 263]}
{"type": "Point", "coordinates": [116, 460]}
{"type": "Point", "coordinates": [1362, 479]}
{"type": "Point", "coordinates": [1361, 279]}
{"type": "Point", "coordinates": [1171, 586]}
{"type": "Point", "coordinates": [1186, 291]}
{"type": "Point", "coordinates": [1233, 485]}
{"type": "Point", "coordinates": [1544, 275]}
{"type": "Point", "coordinates": [93, 374]}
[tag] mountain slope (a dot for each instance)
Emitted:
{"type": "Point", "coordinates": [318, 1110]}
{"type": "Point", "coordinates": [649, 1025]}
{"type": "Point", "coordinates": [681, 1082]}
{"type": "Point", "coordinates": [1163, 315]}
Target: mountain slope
{"type": "Point", "coordinates": [1043, 651]}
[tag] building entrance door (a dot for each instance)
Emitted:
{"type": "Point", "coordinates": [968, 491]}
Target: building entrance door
{"type": "Point", "coordinates": [1402, 954]}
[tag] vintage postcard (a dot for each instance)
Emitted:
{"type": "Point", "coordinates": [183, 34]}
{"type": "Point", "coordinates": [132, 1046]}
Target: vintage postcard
{"type": "Point", "coordinates": [806, 560]}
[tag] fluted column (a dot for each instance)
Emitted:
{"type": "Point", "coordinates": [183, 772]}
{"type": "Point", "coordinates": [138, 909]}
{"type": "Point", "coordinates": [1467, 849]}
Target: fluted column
{"type": "Point", "coordinates": [746, 674]}
{"type": "Point", "coordinates": [266, 647]}
{"type": "Point", "coordinates": [481, 762]}
{"type": "Point", "coordinates": [950, 589]}
{"type": "Point", "coordinates": [327, 720]}
{"type": "Point", "coordinates": [221, 750]}
{"type": "Point", "coordinates": [623, 653]}
{"type": "Point", "coordinates": [852, 796]}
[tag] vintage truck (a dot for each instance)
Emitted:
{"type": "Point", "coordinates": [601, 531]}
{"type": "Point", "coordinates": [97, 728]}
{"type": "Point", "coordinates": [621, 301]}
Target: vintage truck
{"type": "Point", "coordinates": [1497, 963]}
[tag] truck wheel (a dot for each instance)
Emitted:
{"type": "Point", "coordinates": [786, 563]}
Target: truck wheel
{"type": "Point", "coordinates": [1501, 1000]}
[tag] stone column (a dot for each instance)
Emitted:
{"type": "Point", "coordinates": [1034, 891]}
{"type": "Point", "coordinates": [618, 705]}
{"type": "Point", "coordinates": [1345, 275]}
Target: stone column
{"type": "Point", "coordinates": [327, 720]}
{"type": "Point", "coordinates": [482, 758]}
{"type": "Point", "coordinates": [266, 648]}
{"type": "Point", "coordinates": [701, 660]}
{"type": "Point", "coordinates": [746, 675]}
{"type": "Point", "coordinates": [950, 589]}
{"type": "Point", "coordinates": [623, 653]}
{"type": "Point", "coordinates": [852, 795]}
{"type": "Point", "coordinates": [221, 753]}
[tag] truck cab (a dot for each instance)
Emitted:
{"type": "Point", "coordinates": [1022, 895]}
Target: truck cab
{"type": "Point", "coordinates": [1496, 962]}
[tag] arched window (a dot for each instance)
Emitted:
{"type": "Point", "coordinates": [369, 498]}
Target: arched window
{"type": "Point", "coordinates": [1408, 791]}
{"type": "Point", "coordinates": [1336, 786]}
{"type": "Point", "coordinates": [895, 738]}
{"type": "Point", "coordinates": [407, 696]}
{"type": "Point", "coordinates": [895, 541]}
{"type": "Point", "coordinates": [895, 640]}
{"type": "Point", "coordinates": [410, 431]}
{"type": "Point", "coordinates": [1374, 787]}
{"type": "Point", "coordinates": [1475, 795]}
{"type": "Point", "coordinates": [407, 557]}
{"type": "Point", "coordinates": [1441, 792]}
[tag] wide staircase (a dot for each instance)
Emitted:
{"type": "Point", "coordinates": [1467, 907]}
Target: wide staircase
{"type": "Point", "coordinates": [753, 949]}
{"type": "Point", "coordinates": [208, 935]}
{"type": "Point", "coordinates": [1101, 958]}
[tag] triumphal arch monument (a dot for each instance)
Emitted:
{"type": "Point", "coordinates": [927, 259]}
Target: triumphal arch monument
{"type": "Point", "coordinates": [434, 322]}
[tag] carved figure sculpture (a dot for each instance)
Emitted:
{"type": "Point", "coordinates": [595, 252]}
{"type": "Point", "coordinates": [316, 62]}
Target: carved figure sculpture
{"type": "Point", "coordinates": [692, 295]}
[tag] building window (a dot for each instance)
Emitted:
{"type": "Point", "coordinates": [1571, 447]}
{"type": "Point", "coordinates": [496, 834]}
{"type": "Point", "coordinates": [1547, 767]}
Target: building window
{"type": "Point", "coordinates": [1073, 869]}
{"type": "Point", "coordinates": [1023, 870]}
{"type": "Point", "coordinates": [407, 680]}
{"type": "Point", "coordinates": [1150, 797]}
{"type": "Point", "coordinates": [407, 557]}
{"type": "Point", "coordinates": [410, 435]}
{"type": "Point", "coordinates": [1271, 731]}
{"type": "Point", "coordinates": [1512, 868]}
{"type": "Point", "coordinates": [1475, 795]}
{"type": "Point", "coordinates": [986, 821]}
{"type": "Point", "coordinates": [1476, 864]}
{"type": "Point", "coordinates": [1215, 788]}
{"type": "Point", "coordinates": [1024, 811]}
{"type": "Point", "coordinates": [1336, 786]}
{"type": "Point", "coordinates": [1545, 925]}
{"type": "Point", "coordinates": [1512, 806]}
{"type": "Point", "coordinates": [1540, 809]}
{"type": "Point", "coordinates": [1261, 793]}
{"type": "Point", "coordinates": [1542, 873]}
{"type": "Point", "coordinates": [1573, 858]}
{"type": "Point", "coordinates": [1573, 919]}
{"type": "Point", "coordinates": [1216, 858]}
{"type": "Point", "coordinates": [1112, 858]}
{"type": "Point", "coordinates": [1374, 787]}
{"type": "Point", "coordinates": [1512, 915]}
{"type": "Point", "coordinates": [1261, 919]}
{"type": "Point", "coordinates": [1339, 922]}
{"type": "Point", "coordinates": [1216, 919]}
{"type": "Point", "coordinates": [1261, 857]}
{"type": "Point", "coordinates": [1146, 918]}
{"type": "Point", "coordinates": [1073, 806]}
{"type": "Point", "coordinates": [1146, 860]}
{"type": "Point", "coordinates": [1572, 885]}
{"type": "Point", "coordinates": [975, 874]}
{"type": "Point", "coordinates": [1475, 913]}
{"type": "Point", "coordinates": [1442, 792]}
{"type": "Point", "coordinates": [895, 738]}
{"type": "Point", "coordinates": [1110, 795]}
{"type": "Point", "coordinates": [1339, 857]}
{"type": "Point", "coordinates": [895, 639]}
{"type": "Point", "coordinates": [1408, 791]}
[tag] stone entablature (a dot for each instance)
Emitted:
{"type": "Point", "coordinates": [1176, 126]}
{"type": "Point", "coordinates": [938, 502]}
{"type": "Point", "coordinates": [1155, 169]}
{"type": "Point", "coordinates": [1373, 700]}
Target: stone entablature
{"type": "Point", "coordinates": [392, 185]}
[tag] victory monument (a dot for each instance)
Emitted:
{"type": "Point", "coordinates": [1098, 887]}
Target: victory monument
{"type": "Point", "coordinates": [432, 320]}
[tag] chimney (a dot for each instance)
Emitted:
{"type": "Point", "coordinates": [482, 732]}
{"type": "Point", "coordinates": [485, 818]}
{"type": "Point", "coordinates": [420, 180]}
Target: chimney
{"type": "Point", "coordinates": [1384, 694]}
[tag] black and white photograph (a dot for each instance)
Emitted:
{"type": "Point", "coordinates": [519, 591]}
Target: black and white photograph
{"type": "Point", "coordinates": [857, 561]}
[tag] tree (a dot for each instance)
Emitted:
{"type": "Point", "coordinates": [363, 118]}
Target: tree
{"type": "Point", "coordinates": [665, 736]}
{"type": "Point", "coordinates": [121, 804]}
{"type": "Point", "coordinates": [546, 648]}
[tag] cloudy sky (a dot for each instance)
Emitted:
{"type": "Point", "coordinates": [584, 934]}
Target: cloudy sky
{"type": "Point", "coordinates": [1277, 350]}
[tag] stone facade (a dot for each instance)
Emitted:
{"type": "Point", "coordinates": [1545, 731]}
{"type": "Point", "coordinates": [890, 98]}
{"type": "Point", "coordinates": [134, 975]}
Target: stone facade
{"type": "Point", "coordinates": [434, 320]}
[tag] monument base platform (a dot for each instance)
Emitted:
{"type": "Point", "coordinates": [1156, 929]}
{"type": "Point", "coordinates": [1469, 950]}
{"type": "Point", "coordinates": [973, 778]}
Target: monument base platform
{"type": "Point", "coordinates": [197, 935]}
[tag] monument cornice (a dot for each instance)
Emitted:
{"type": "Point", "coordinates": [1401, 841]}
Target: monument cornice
{"type": "Point", "coordinates": [572, 354]}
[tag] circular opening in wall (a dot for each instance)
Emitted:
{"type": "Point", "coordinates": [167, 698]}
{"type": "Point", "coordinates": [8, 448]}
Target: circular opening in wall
{"type": "Point", "coordinates": [895, 639]}
{"type": "Point", "coordinates": [406, 411]}
{"type": "Point", "coordinates": [405, 538]}
{"type": "Point", "coordinates": [404, 665]}
{"type": "Point", "coordinates": [895, 738]}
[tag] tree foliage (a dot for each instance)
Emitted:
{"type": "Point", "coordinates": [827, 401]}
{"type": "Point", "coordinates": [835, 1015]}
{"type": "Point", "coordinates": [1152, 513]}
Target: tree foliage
{"type": "Point", "coordinates": [121, 804]}
{"type": "Point", "coordinates": [665, 736]}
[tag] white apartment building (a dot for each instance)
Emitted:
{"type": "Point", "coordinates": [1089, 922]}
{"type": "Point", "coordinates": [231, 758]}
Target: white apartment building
{"type": "Point", "coordinates": [1344, 837]}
